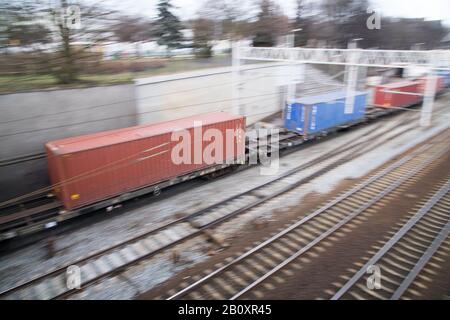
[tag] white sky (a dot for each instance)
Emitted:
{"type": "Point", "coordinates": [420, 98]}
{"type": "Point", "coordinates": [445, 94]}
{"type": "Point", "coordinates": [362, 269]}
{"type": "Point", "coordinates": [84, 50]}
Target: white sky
{"type": "Point", "coordinates": [429, 9]}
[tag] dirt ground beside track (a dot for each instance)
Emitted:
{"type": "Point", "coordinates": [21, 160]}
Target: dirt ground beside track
{"type": "Point", "coordinates": [319, 271]}
{"type": "Point", "coordinates": [318, 279]}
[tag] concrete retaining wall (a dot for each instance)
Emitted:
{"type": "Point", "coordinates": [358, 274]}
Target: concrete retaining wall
{"type": "Point", "coordinates": [184, 94]}
{"type": "Point", "coordinates": [29, 120]}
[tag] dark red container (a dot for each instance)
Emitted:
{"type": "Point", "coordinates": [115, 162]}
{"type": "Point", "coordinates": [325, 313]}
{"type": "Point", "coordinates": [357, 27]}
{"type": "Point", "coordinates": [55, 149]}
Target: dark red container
{"type": "Point", "coordinates": [90, 168]}
{"type": "Point", "coordinates": [385, 99]}
{"type": "Point", "coordinates": [440, 84]}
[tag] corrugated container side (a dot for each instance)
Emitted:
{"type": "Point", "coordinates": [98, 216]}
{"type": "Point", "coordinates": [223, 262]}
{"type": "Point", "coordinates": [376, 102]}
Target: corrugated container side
{"type": "Point", "coordinates": [112, 169]}
{"type": "Point", "coordinates": [440, 84]}
{"type": "Point", "coordinates": [392, 99]}
{"type": "Point", "coordinates": [315, 117]}
{"type": "Point", "coordinates": [54, 170]}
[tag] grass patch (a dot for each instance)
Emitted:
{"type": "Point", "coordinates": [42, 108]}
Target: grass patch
{"type": "Point", "coordinates": [20, 83]}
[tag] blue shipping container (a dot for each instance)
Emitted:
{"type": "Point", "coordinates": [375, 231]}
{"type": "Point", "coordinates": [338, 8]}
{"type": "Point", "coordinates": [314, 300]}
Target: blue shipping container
{"type": "Point", "coordinates": [446, 75]}
{"type": "Point", "coordinates": [318, 113]}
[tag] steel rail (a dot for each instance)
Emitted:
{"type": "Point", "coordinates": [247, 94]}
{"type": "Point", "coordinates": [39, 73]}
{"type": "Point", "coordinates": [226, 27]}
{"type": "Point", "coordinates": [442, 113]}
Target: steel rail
{"type": "Point", "coordinates": [334, 152]}
{"type": "Point", "coordinates": [392, 241]}
{"type": "Point", "coordinates": [327, 233]}
{"type": "Point", "coordinates": [309, 217]}
{"type": "Point", "coordinates": [422, 262]}
{"type": "Point", "coordinates": [216, 222]}
{"type": "Point", "coordinates": [309, 164]}
{"type": "Point", "coordinates": [186, 218]}
{"type": "Point", "coordinates": [49, 218]}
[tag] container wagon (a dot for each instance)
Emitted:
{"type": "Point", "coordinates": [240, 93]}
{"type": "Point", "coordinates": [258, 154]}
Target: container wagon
{"type": "Point", "coordinates": [90, 168]}
{"type": "Point", "coordinates": [315, 114]}
{"type": "Point", "coordinates": [385, 95]}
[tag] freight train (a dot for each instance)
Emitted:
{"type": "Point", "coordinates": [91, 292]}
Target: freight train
{"type": "Point", "coordinates": [312, 115]}
{"type": "Point", "coordinates": [402, 94]}
{"type": "Point", "coordinates": [101, 169]}
{"type": "Point", "coordinates": [95, 167]}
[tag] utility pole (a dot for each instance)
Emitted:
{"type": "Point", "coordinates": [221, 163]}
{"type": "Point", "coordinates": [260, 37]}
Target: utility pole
{"type": "Point", "coordinates": [351, 75]}
{"type": "Point", "coordinates": [429, 93]}
{"type": "Point", "coordinates": [235, 76]}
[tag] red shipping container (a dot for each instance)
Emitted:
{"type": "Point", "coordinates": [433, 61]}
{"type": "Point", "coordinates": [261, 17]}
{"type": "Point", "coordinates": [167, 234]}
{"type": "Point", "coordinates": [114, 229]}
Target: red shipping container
{"type": "Point", "coordinates": [94, 167]}
{"type": "Point", "coordinates": [440, 84]}
{"type": "Point", "coordinates": [391, 100]}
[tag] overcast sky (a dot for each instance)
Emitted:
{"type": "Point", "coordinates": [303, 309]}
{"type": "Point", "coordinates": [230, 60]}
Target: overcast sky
{"type": "Point", "coordinates": [429, 9]}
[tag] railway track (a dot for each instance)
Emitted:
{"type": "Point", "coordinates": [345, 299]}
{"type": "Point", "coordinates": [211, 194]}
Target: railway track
{"type": "Point", "coordinates": [41, 212]}
{"type": "Point", "coordinates": [405, 254]}
{"type": "Point", "coordinates": [117, 258]}
{"type": "Point", "coordinates": [239, 276]}
{"type": "Point", "coordinates": [29, 217]}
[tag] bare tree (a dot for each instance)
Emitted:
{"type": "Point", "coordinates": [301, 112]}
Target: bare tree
{"type": "Point", "coordinates": [19, 27]}
{"type": "Point", "coordinates": [346, 19]}
{"type": "Point", "coordinates": [340, 21]}
{"type": "Point", "coordinates": [72, 30]}
{"type": "Point", "coordinates": [228, 17]}
{"type": "Point", "coordinates": [203, 35]}
{"type": "Point", "coordinates": [300, 24]}
{"type": "Point", "coordinates": [95, 27]}
{"type": "Point", "coordinates": [133, 29]}
{"type": "Point", "coordinates": [270, 24]}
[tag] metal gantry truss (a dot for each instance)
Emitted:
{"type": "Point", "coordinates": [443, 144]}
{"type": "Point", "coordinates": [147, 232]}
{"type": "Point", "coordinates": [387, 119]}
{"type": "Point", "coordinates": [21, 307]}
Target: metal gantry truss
{"type": "Point", "coordinates": [432, 60]}
{"type": "Point", "coordinates": [435, 59]}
